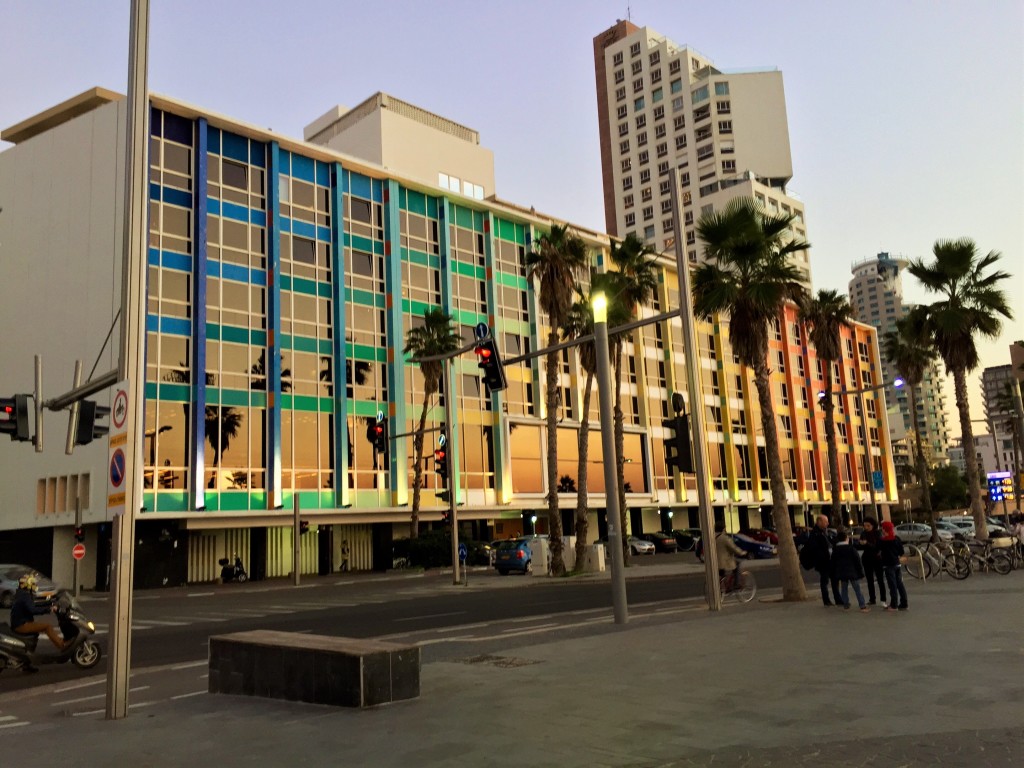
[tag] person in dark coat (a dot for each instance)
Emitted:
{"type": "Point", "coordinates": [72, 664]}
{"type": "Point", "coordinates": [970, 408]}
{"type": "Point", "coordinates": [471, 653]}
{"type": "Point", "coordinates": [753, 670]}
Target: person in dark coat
{"type": "Point", "coordinates": [890, 550]}
{"type": "Point", "coordinates": [871, 560]}
{"type": "Point", "coordinates": [847, 567]}
{"type": "Point", "coordinates": [821, 546]}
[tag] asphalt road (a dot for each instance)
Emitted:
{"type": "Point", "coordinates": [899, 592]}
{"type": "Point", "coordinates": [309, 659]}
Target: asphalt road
{"type": "Point", "coordinates": [173, 626]}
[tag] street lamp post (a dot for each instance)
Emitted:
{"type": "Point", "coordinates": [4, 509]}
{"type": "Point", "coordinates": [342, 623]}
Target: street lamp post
{"type": "Point", "coordinates": [611, 481]}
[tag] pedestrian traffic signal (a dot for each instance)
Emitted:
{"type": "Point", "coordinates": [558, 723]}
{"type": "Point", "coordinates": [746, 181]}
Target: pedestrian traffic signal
{"type": "Point", "coordinates": [380, 436]}
{"type": "Point", "coordinates": [79, 534]}
{"type": "Point", "coordinates": [678, 454]}
{"type": "Point", "coordinates": [14, 417]}
{"type": "Point", "coordinates": [489, 362]}
{"type": "Point", "coordinates": [89, 428]}
{"type": "Point", "coordinates": [303, 526]}
{"type": "Point", "coordinates": [446, 515]}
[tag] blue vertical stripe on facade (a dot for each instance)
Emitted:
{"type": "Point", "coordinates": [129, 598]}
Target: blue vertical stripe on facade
{"type": "Point", "coordinates": [397, 452]}
{"type": "Point", "coordinates": [273, 353]}
{"type": "Point", "coordinates": [340, 365]}
{"type": "Point", "coordinates": [197, 429]}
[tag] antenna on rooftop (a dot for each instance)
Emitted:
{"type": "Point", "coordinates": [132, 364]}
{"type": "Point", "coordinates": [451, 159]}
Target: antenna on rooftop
{"type": "Point", "coordinates": [629, 14]}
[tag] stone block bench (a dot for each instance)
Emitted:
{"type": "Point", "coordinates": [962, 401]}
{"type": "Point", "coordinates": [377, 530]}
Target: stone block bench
{"type": "Point", "coordinates": [317, 669]}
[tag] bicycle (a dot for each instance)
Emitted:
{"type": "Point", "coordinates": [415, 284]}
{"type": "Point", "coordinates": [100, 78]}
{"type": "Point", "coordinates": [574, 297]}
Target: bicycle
{"type": "Point", "coordinates": [942, 558]}
{"type": "Point", "coordinates": [744, 592]}
{"type": "Point", "coordinates": [989, 558]}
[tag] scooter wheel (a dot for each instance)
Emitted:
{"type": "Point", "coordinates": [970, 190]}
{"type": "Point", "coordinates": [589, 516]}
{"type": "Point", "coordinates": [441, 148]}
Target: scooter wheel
{"type": "Point", "coordinates": [242, 578]}
{"type": "Point", "coordinates": [87, 655]}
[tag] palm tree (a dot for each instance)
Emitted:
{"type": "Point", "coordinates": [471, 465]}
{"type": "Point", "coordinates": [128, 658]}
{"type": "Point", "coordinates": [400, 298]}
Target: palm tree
{"type": "Point", "coordinates": [580, 323]}
{"type": "Point", "coordinates": [222, 424]}
{"type": "Point", "coordinates": [555, 264]}
{"type": "Point", "coordinates": [636, 280]}
{"type": "Point", "coordinates": [824, 315]}
{"type": "Point", "coordinates": [435, 337]}
{"type": "Point", "coordinates": [971, 304]}
{"type": "Point", "coordinates": [748, 274]}
{"type": "Point", "coordinates": [911, 353]}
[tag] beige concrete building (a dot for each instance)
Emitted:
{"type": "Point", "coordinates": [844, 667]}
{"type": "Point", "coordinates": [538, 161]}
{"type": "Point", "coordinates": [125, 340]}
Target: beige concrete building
{"type": "Point", "coordinates": [410, 140]}
{"type": "Point", "coordinates": [665, 108]}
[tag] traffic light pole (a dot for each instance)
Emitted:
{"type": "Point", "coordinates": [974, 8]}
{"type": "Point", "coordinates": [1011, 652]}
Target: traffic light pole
{"type": "Point", "coordinates": [296, 539]}
{"type": "Point", "coordinates": [131, 357]}
{"type": "Point", "coordinates": [449, 394]}
{"type": "Point", "coordinates": [78, 524]}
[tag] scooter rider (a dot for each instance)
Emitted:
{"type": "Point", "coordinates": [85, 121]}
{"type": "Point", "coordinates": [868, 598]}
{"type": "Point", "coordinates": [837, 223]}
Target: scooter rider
{"type": "Point", "coordinates": [24, 610]}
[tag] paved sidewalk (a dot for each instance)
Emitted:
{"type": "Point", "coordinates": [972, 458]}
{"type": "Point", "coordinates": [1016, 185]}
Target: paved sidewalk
{"type": "Point", "coordinates": [762, 684]}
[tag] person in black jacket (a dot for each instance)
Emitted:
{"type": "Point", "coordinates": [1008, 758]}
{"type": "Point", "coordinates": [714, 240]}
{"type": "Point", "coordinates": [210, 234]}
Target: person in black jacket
{"type": "Point", "coordinates": [24, 611]}
{"type": "Point", "coordinates": [872, 561]}
{"type": "Point", "coordinates": [890, 549]}
{"type": "Point", "coordinates": [848, 570]}
{"type": "Point", "coordinates": [821, 547]}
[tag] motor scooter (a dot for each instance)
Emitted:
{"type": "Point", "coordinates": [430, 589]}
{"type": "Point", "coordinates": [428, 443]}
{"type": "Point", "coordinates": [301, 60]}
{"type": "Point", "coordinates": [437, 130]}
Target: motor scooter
{"type": "Point", "coordinates": [19, 651]}
{"type": "Point", "coordinates": [229, 572]}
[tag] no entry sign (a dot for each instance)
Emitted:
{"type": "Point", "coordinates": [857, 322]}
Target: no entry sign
{"type": "Point", "coordinates": [78, 551]}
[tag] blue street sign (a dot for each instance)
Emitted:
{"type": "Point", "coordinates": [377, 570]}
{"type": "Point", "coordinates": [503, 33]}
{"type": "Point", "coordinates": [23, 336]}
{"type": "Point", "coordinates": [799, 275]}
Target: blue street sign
{"type": "Point", "coordinates": [481, 331]}
{"type": "Point", "coordinates": [442, 439]}
{"type": "Point", "coordinates": [463, 552]}
{"type": "Point", "coordinates": [878, 481]}
{"type": "Point", "coordinates": [380, 416]}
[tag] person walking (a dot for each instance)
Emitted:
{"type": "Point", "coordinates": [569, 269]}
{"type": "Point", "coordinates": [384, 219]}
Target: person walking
{"type": "Point", "coordinates": [890, 549]}
{"type": "Point", "coordinates": [871, 561]}
{"type": "Point", "coordinates": [849, 570]}
{"type": "Point", "coordinates": [821, 547]}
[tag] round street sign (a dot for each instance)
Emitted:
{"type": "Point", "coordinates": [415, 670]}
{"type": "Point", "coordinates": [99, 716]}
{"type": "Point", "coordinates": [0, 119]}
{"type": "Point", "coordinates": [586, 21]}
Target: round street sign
{"type": "Point", "coordinates": [481, 330]}
{"type": "Point", "coordinates": [78, 551]}
{"type": "Point", "coordinates": [120, 409]}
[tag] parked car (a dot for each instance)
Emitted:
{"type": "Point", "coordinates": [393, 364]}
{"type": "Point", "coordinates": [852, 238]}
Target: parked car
{"type": "Point", "coordinates": [640, 546]}
{"type": "Point", "coordinates": [954, 530]}
{"type": "Point", "coordinates": [513, 555]}
{"type": "Point", "coordinates": [920, 533]}
{"type": "Point", "coordinates": [761, 534]}
{"type": "Point", "coordinates": [686, 538]}
{"type": "Point", "coordinates": [479, 553]}
{"type": "Point", "coordinates": [663, 542]}
{"type": "Point", "coordinates": [755, 548]}
{"type": "Point", "coordinates": [9, 575]}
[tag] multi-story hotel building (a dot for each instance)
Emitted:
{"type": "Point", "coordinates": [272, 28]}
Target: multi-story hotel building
{"type": "Point", "coordinates": [283, 278]}
{"type": "Point", "coordinates": [665, 108]}
{"type": "Point", "coordinates": [876, 295]}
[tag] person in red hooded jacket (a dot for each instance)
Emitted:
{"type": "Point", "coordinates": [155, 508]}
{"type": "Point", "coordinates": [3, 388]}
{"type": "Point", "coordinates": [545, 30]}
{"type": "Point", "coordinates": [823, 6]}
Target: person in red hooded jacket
{"type": "Point", "coordinates": [890, 550]}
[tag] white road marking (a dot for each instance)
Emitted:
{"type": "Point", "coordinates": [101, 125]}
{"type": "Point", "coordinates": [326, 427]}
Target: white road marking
{"type": "Point", "coordinates": [186, 695]}
{"type": "Point", "coordinates": [431, 616]}
{"type": "Point", "coordinates": [541, 626]}
{"type": "Point", "coordinates": [190, 665]}
{"type": "Point", "coordinates": [14, 725]}
{"type": "Point", "coordinates": [86, 684]}
{"type": "Point", "coordinates": [539, 617]}
{"type": "Point", "coordinates": [163, 623]}
{"type": "Point", "coordinates": [194, 619]}
{"type": "Point", "coordinates": [97, 696]}
{"type": "Point", "coordinates": [201, 594]}
{"type": "Point", "coordinates": [7, 718]}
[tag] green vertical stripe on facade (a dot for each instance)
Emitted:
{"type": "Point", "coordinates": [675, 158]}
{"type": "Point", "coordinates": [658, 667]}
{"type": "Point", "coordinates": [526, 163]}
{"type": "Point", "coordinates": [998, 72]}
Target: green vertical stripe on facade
{"type": "Point", "coordinates": [397, 450]}
{"type": "Point", "coordinates": [340, 432]}
{"type": "Point", "coordinates": [445, 247]}
{"type": "Point", "coordinates": [273, 355]}
{"type": "Point", "coordinates": [502, 479]}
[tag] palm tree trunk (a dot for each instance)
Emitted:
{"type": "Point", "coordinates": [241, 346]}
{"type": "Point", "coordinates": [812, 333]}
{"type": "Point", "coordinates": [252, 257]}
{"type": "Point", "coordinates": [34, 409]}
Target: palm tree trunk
{"type": "Point", "coordinates": [836, 484]}
{"type": "Point", "coordinates": [620, 458]}
{"type": "Point", "coordinates": [581, 476]}
{"type": "Point", "coordinates": [789, 564]}
{"type": "Point", "coordinates": [922, 467]}
{"type": "Point", "coordinates": [417, 472]}
{"type": "Point", "coordinates": [967, 433]}
{"type": "Point", "coordinates": [554, 516]}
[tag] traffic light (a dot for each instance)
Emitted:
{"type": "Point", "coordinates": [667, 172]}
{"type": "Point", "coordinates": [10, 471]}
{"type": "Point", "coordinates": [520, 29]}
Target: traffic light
{"type": "Point", "coordinates": [89, 413]}
{"type": "Point", "coordinates": [678, 453]}
{"type": "Point", "coordinates": [446, 515]}
{"type": "Point", "coordinates": [14, 417]}
{"type": "Point", "coordinates": [303, 526]}
{"type": "Point", "coordinates": [441, 465]}
{"type": "Point", "coordinates": [79, 534]}
{"type": "Point", "coordinates": [489, 362]}
{"type": "Point", "coordinates": [380, 436]}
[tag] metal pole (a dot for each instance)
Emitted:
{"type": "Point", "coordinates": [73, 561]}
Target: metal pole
{"type": "Point", "coordinates": [449, 395]}
{"type": "Point", "coordinates": [611, 480]}
{"type": "Point", "coordinates": [296, 539]}
{"type": "Point", "coordinates": [131, 357]}
{"type": "Point", "coordinates": [37, 400]}
{"type": "Point", "coordinates": [69, 447]}
{"type": "Point", "coordinates": [78, 524]}
{"type": "Point", "coordinates": [700, 444]}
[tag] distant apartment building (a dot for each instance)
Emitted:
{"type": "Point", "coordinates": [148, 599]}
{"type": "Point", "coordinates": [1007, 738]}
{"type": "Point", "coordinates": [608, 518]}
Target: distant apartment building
{"type": "Point", "coordinates": [876, 295]}
{"type": "Point", "coordinates": [666, 109]}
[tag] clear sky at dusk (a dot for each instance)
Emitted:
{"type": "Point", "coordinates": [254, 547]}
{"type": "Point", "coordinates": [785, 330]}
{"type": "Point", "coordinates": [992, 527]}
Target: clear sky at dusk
{"type": "Point", "coordinates": [906, 118]}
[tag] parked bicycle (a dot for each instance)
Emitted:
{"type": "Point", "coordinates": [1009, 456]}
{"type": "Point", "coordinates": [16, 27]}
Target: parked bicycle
{"type": "Point", "coordinates": [985, 557]}
{"type": "Point", "coordinates": [934, 559]}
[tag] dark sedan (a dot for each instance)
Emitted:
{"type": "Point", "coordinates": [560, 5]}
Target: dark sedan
{"type": "Point", "coordinates": [663, 542]}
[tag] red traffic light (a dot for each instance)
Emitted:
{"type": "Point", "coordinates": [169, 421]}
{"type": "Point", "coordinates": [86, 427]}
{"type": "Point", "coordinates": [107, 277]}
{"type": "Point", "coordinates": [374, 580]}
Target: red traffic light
{"type": "Point", "coordinates": [439, 454]}
{"type": "Point", "coordinates": [484, 353]}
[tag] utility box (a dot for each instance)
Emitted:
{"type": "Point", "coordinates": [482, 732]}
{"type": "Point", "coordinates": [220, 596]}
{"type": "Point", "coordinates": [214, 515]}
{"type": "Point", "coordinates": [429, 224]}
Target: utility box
{"type": "Point", "coordinates": [540, 550]}
{"type": "Point", "coordinates": [595, 559]}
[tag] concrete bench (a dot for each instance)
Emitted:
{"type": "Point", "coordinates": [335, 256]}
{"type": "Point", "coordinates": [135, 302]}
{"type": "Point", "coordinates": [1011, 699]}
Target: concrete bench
{"type": "Point", "coordinates": [318, 669]}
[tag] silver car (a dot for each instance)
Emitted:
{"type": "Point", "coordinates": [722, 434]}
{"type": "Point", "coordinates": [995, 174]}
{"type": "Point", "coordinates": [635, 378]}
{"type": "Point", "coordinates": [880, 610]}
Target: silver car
{"type": "Point", "coordinates": [640, 546]}
{"type": "Point", "coordinates": [9, 575]}
{"type": "Point", "coordinates": [920, 533]}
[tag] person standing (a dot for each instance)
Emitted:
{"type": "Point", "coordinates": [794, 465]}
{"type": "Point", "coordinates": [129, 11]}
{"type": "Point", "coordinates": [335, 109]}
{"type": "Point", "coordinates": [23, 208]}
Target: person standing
{"type": "Point", "coordinates": [871, 561]}
{"type": "Point", "coordinates": [821, 546]}
{"type": "Point", "coordinates": [847, 567]}
{"type": "Point", "coordinates": [890, 549]}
